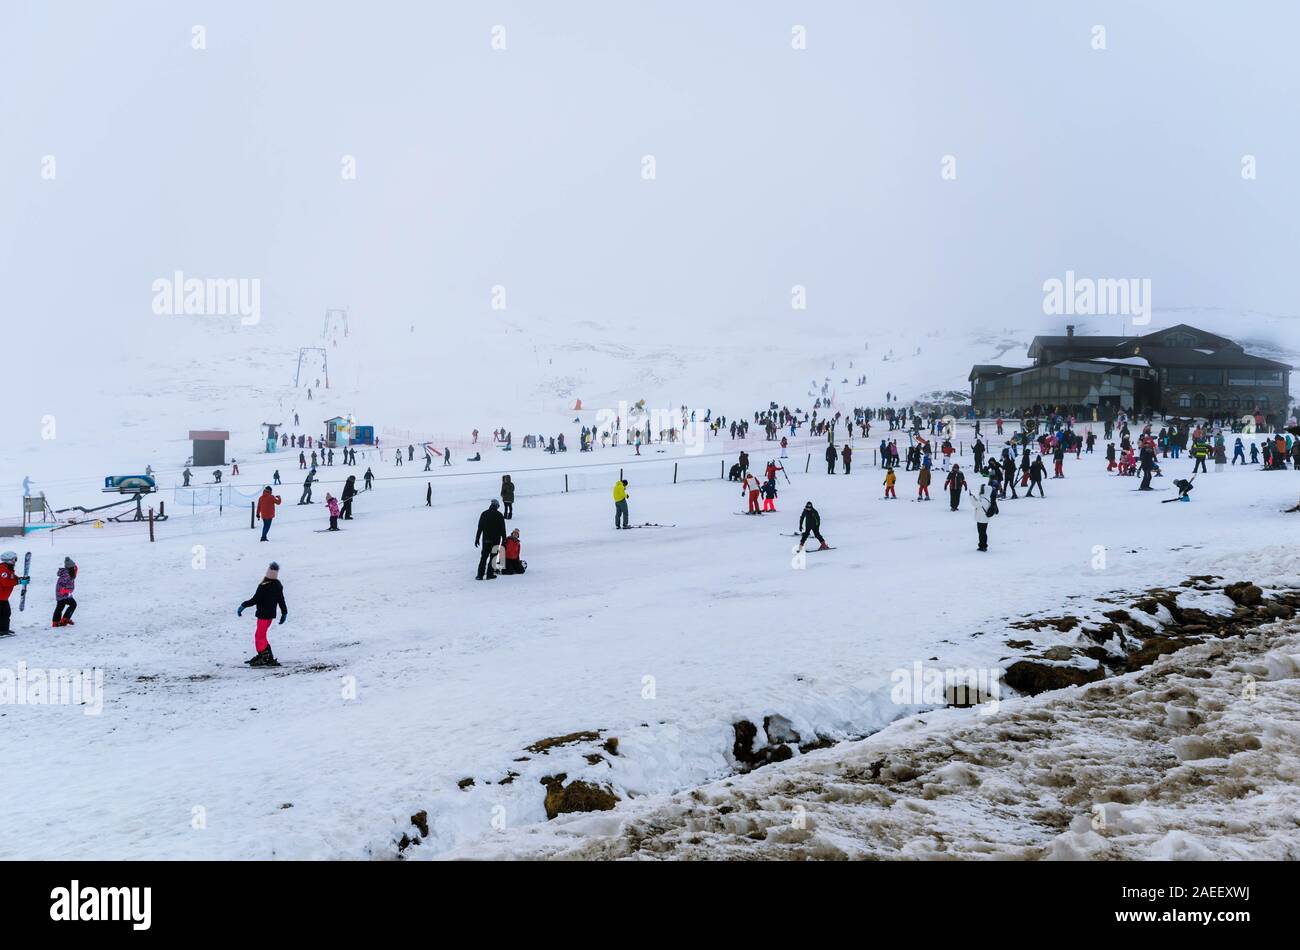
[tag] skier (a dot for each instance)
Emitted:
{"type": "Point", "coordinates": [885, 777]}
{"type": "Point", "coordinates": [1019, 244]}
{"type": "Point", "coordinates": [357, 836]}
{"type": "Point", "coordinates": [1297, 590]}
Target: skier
{"type": "Point", "coordinates": [491, 532]}
{"type": "Point", "coordinates": [923, 484]}
{"type": "Point", "coordinates": [1184, 486]}
{"type": "Point", "coordinates": [306, 487]}
{"type": "Point", "coordinates": [368, 478]}
{"type": "Point", "coordinates": [955, 482]}
{"type": "Point", "coordinates": [428, 494]}
{"type": "Point", "coordinates": [810, 522]}
{"type": "Point", "coordinates": [620, 503]}
{"type": "Point", "coordinates": [64, 602]}
{"type": "Point", "coordinates": [332, 504]}
{"type": "Point", "coordinates": [187, 475]}
{"type": "Point", "coordinates": [830, 458]}
{"type": "Point", "coordinates": [890, 478]}
{"type": "Point", "coordinates": [513, 563]}
{"type": "Point", "coordinates": [769, 495]}
{"type": "Point", "coordinates": [268, 596]}
{"type": "Point", "coordinates": [349, 492]}
{"type": "Point", "coordinates": [847, 456]}
{"type": "Point", "coordinates": [266, 509]}
{"type": "Point", "coordinates": [216, 476]}
{"type": "Point", "coordinates": [9, 579]}
{"type": "Point", "coordinates": [275, 477]}
{"type": "Point", "coordinates": [751, 487]}
{"type": "Point", "coordinates": [1238, 451]}
{"type": "Point", "coordinates": [446, 456]}
{"type": "Point", "coordinates": [1036, 472]}
{"type": "Point", "coordinates": [302, 460]}
{"type": "Point", "coordinates": [508, 496]}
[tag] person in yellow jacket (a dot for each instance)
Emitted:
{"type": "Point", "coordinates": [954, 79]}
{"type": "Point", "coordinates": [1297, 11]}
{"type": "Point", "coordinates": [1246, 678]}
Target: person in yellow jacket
{"type": "Point", "coordinates": [890, 478]}
{"type": "Point", "coordinates": [620, 503]}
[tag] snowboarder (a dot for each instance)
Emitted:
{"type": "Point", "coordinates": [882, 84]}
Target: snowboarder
{"type": "Point", "coordinates": [64, 602]}
{"type": "Point", "coordinates": [187, 475]}
{"type": "Point", "coordinates": [513, 563]}
{"type": "Point", "coordinates": [620, 503]}
{"type": "Point", "coordinates": [810, 522]}
{"type": "Point", "coordinates": [268, 596]}
{"type": "Point", "coordinates": [508, 496]}
{"type": "Point", "coordinates": [491, 532]}
{"type": "Point", "coordinates": [9, 579]}
{"type": "Point", "coordinates": [266, 509]}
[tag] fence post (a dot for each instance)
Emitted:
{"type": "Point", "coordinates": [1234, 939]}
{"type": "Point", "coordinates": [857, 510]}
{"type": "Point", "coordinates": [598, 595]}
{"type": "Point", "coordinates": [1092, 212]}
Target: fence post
{"type": "Point", "coordinates": [807, 463]}
{"type": "Point", "coordinates": [674, 473]}
{"type": "Point", "coordinates": [566, 482]}
{"type": "Point", "coordinates": [252, 514]}
{"type": "Point", "coordinates": [151, 524]}
{"type": "Point", "coordinates": [722, 469]}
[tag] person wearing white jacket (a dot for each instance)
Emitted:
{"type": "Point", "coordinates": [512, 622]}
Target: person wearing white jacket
{"type": "Point", "coordinates": [981, 503]}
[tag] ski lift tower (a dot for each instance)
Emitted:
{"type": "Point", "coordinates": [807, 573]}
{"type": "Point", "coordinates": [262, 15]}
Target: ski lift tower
{"type": "Point", "coordinates": [324, 358]}
{"type": "Point", "coordinates": [330, 317]}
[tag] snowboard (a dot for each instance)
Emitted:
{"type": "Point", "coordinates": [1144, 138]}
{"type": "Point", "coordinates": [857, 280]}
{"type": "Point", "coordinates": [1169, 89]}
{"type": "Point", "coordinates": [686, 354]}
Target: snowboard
{"type": "Point", "coordinates": [27, 573]}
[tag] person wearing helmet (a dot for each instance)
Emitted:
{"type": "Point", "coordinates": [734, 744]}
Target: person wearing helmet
{"type": "Point", "coordinates": [64, 602]}
{"type": "Point", "coordinates": [491, 532]}
{"type": "Point", "coordinates": [268, 596]}
{"type": "Point", "coordinates": [810, 522]}
{"type": "Point", "coordinates": [9, 579]}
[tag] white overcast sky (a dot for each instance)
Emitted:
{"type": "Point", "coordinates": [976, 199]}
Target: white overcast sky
{"type": "Point", "coordinates": [522, 167]}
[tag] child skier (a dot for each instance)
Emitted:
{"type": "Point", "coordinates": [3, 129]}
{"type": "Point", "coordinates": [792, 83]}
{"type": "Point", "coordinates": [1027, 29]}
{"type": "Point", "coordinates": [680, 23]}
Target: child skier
{"type": "Point", "coordinates": [9, 579]}
{"type": "Point", "coordinates": [64, 602]}
{"type": "Point", "coordinates": [923, 483]}
{"type": "Point", "coordinates": [890, 478]}
{"type": "Point", "coordinates": [332, 504]}
{"type": "Point", "coordinates": [769, 495]}
{"type": "Point", "coordinates": [268, 596]}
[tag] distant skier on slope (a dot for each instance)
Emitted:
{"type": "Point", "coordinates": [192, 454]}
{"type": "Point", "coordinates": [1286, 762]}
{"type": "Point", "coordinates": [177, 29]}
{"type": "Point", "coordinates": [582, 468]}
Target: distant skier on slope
{"type": "Point", "coordinates": [268, 596]}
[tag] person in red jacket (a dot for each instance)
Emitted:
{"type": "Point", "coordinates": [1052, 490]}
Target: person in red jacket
{"type": "Point", "coordinates": [9, 579]}
{"type": "Point", "coordinates": [266, 509]}
{"type": "Point", "coordinates": [513, 564]}
{"type": "Point", "coordinates": [751, 486]}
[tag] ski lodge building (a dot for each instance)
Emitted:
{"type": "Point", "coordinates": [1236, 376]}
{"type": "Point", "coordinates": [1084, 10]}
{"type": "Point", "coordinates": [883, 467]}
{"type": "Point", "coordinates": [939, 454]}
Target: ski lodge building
{"type": "Point", "coordinates": [1178, 371]}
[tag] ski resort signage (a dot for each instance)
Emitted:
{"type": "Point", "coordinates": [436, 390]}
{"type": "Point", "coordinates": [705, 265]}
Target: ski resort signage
{"type": "Point", "coordinates": [179, 295]}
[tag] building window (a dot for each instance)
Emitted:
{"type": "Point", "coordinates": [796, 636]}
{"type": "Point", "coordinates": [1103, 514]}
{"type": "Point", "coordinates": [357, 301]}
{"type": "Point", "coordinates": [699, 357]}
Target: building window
{"type": "Point", "coordinates": [1199, 400]}
{"type": "Point", "coordinates": [1184, 401]}
{"type": "Point", "coordinates": [1262, 402]}
{"type": "Point", "coordinates": [1214, 400]}
{"type": "Point", "coordinates": [1234, 402]}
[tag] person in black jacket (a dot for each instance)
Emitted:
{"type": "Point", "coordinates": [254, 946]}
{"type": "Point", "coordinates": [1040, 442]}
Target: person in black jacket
{"type": "Point", "coordinates": [810, 522]}
{"type": "Point", "coordinates": [830, 459]}
{"type": "Point", "coordinates": [349, 492]}
{"type": "Point", "coordinates": [492, 532]}
{"type": "Point", "coordinates": [268, 596]}
{"type": "Point", "coordinates": [508, 496]}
